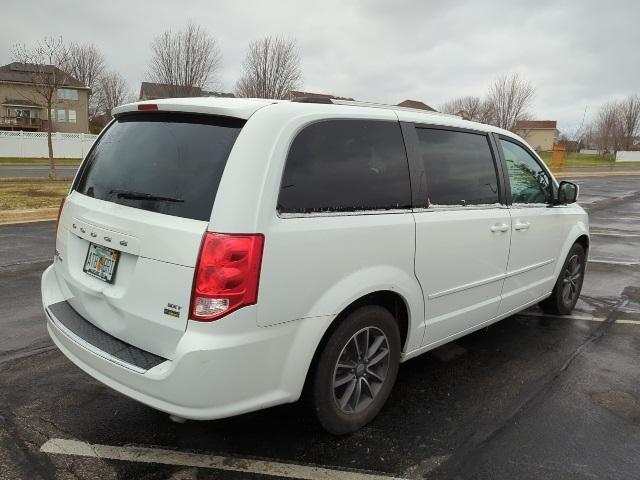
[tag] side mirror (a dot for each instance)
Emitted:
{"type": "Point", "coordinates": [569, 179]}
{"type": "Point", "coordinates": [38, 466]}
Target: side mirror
{"type": "Point", "coordinates": [567, 193]}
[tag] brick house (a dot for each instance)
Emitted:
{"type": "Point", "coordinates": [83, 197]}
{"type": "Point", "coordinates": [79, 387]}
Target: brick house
{"type": "Point", "coordinates": [22, 108]}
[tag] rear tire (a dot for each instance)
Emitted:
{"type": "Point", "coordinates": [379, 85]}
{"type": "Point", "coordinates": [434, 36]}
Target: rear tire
{"type": "Point", "coordinates": [356, 370]}
{"type": "Point", "coordinates": [567, 289]}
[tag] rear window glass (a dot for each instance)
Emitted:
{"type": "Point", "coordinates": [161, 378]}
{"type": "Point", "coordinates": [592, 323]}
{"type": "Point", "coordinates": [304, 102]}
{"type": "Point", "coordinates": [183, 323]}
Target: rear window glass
{"type": "Point", "coordinates": [346, 165]}
{"type": "Point", "coordinates": [459, 167]}
{"type": "Point", "coordinates": [165, 163]}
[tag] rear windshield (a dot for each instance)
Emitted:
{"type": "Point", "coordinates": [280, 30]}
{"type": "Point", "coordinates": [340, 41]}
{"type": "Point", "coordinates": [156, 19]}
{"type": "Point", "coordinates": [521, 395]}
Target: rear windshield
{"type": "Point", "coordinates": [161, 162]}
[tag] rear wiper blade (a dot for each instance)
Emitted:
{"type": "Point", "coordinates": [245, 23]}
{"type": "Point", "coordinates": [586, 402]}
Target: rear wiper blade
{"type": "Point", "coordinates": [144, 196]}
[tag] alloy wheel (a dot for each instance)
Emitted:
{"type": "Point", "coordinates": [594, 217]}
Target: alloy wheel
{"type": "Point", "coordinates": [571, 280]}
{"type": "Point", "coordinates": [361, 370]}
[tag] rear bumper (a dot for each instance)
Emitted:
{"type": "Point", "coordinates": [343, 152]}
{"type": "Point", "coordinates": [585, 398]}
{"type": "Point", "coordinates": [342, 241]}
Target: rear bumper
{"type": "Point", "coordinates": [219, 369]}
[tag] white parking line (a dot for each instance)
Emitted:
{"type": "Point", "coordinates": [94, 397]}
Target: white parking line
{"type": "Point", "coordinates": [630, 322]}
{"type": "Point", "coordinates": [610, 234]}
{"type": "Point", "coordinates": [171, 457]}
{"type": "Point", "coordinates": [587, 318]}
{"type": "Point", "coordinates": [626, 263]}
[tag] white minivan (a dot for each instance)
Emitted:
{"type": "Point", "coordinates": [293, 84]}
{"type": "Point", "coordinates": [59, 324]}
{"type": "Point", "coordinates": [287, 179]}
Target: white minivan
{"type": "Point", "coordinates": [219, 256]}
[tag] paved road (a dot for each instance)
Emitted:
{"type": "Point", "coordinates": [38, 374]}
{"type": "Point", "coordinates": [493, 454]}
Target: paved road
{"type": "Point", "coordinates": [35, 170]}
{"type": "Point", "coordinates": [530, 397]}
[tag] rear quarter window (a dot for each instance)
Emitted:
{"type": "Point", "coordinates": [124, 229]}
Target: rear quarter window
{"type": "Point", "coordinates": [459, 167]}
{"type": "Point", "coordinates": [346, 166]}
{"type": "Point", "coordinates": [169, 163]}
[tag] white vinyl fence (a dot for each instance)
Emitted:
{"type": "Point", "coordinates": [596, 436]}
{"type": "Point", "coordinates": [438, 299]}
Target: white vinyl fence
{"type": "Point", "coordinates": [624, 156]}
{"type": "Point", "coordinates": [34, 144]}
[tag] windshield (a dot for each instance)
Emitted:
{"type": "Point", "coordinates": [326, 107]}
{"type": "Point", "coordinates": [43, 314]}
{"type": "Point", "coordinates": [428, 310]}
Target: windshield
{"type": "Point", "coordinates": [168, 163]}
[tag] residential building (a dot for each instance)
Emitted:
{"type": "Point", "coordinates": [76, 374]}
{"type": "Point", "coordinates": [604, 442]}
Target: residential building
{"type": "Point", "coordinates": [155, 91]}
{"type": "Point", "coordinates": [23, 108]}
{"type": "Point", "coordinates": [416, 104]}
{"type": "Point", "coordinates": [540, 134]}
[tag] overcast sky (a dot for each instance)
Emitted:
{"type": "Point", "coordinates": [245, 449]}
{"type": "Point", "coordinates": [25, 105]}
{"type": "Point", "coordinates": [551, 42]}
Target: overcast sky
{"type": "Point", "coordinates": [578, 54]}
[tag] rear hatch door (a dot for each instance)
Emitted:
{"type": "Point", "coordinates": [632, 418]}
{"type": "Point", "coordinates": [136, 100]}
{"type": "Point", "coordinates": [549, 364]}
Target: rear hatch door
{"type": "Point", "coordinates": [131, 229]}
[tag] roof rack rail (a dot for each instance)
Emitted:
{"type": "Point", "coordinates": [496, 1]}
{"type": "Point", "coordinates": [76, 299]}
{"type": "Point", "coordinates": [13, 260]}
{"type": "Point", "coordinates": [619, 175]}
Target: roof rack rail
{"type": "Point", "coordinates": [394, 107]}
{"type": "Point", "coordinates": [356, 103]}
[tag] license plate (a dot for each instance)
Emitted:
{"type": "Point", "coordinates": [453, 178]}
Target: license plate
{"type": "Point", "coordinates": [101, 262]}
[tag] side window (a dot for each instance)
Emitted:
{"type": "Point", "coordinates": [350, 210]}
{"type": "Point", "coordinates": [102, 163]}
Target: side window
{"type": "Point", "coordinates": [346, 165]}
{"type": "Point", "coordinates": [459, 167]}
{"type": "Point", "coordinates": [529, 182]}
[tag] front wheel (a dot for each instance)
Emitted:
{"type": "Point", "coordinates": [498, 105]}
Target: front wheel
{"type": "Point", "coordinates": [569, 284]}
{"type": "Point", "coordinates": [356, 370]}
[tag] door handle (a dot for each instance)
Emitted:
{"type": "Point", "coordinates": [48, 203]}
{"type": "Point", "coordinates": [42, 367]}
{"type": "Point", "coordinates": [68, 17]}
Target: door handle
{"type": "Point", "coordinates": [522, 225]}
{"type": "Point", "coordinates": [500, 227]}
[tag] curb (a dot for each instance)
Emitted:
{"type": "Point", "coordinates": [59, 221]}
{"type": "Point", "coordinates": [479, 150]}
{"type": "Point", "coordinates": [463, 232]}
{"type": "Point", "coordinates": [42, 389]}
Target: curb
{"type": "Point", "coordinates": [596, 174]}
{"type": "Point", "coordinates": [9, 217]}
{"type": "Point", "coordinates": [33, 179]}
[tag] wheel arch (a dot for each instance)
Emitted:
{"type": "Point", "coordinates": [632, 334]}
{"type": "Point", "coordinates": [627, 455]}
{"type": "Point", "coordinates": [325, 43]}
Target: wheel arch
{"type": "Point", "coordinates": [579, 233]}
{"type": "Point", "coordinates": [389, 299]}
{"type": "Point", "coordinates": [584, 241]}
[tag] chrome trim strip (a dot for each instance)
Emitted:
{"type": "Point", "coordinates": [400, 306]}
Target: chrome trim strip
{"type": "Point", "coordinates": [394, 211]}
{"type": "Point", "coordinates": [460, 208]}
{"type": "Point", "coordinates": [461, 288]}
{"type": "Point", "coordinates": [488, 280]}
{"type": "Point", "coordinates": [530, 267]}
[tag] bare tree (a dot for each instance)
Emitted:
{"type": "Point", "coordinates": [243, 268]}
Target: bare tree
{"type": "Point", "coordinates": [187, 60]}
{"type": "Point", "coordinates": [112, 90]}
{"type": "Point", "coordinates": [470, 108]}
{"type": "Point", "coordinates": [578, 136]}
{"type": "Point", "coordinates": [630, 118]}
{"type": "Point", "coordinates": [486, 113]}
{"type": "Point", "coordinates": [509, 96]}
{"type": "Point", "coordinates": [86, 64]}
{"type": "Point", "coordinates": [270, 70]}
{"type": "Point", "coordinates": [609, 127]}
{"type": "Point", "coordinates": [43, 63]}
{"type": "Point", "coordinates": [467, 107]}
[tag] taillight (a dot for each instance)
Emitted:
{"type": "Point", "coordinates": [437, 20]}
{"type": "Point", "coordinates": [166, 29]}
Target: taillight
{"type": "Point", "coordinates": [59, 213]}
{"type": "Point", "coordinates": [227, 275]}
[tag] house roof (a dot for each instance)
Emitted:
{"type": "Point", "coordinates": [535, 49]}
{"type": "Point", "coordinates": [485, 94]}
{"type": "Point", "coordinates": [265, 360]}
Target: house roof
{"type": "Point", "coordinates": [153, 91]}
{"type": "Point", "coordinates": [20, 102]}
{"type": "Point", "coordinates": [536, 124]}
{"type": "Point", "coordinates": [17, 72]}
{"type": "Point", "coordinates": [219, 94]}
{"type": "Point", "coordinates": [416, 104]}
{"type": "Point", "coordinates": [298, 94]}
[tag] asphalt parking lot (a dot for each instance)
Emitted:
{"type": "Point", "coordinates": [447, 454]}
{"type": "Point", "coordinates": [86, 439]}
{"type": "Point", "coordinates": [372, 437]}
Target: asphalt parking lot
{"type": "Point", "coordinates": [533, 396]}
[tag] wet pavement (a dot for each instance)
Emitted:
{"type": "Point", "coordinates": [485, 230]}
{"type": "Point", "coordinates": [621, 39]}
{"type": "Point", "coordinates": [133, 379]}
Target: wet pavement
{"type": "Point", "coordinates": [533, 396]}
